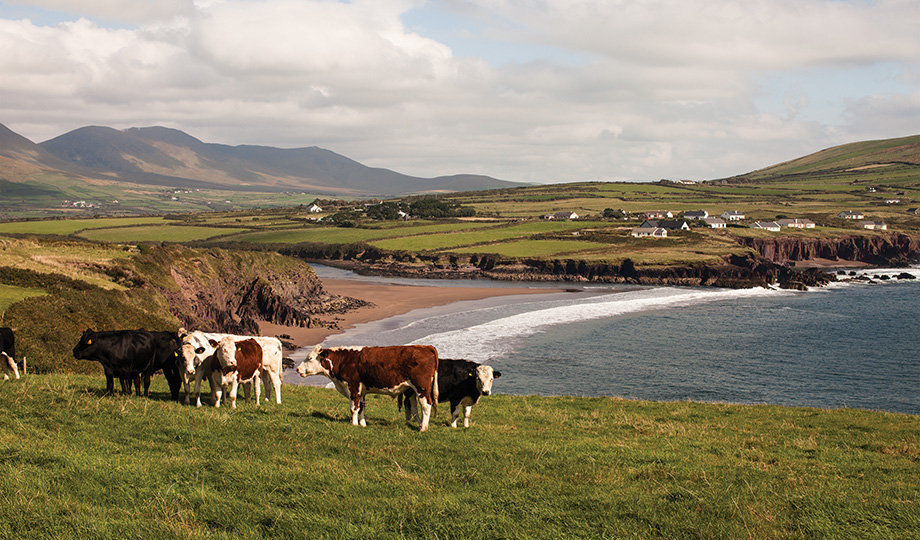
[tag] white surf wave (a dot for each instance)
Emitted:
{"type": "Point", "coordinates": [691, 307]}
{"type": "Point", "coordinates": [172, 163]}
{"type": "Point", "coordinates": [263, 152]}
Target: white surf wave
{"type": "Point", "coordinates": [499, 337]}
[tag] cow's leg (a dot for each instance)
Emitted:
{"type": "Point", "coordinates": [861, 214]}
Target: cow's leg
{"type": "Point", "coordinates": [9, 365]}
{"type": "Point", "coordinates": [146, 385]}
{"type": "Point", "coordinates": [109, 384]}
{"type": "Point", "coordinates": [198, 376]}
{"type": "Point", "coordinates": [185, 383]}
{"type": "Point", "coordinates": [234, 387]}
{"type": "Point", "coordinates": [467, 409]}
{"type": "Point", "coordinates": [275, 380]}
{"type": "Point", "coordinates": [425, 406]}
{"type": "Point", "coordinates": [137, 384]}
{"type": "Point", "coordinates": [257, 388]}
{"type": "Point", "coordinates": [217, 389]}
{"type": "Point", "coordinates": [454, 414]}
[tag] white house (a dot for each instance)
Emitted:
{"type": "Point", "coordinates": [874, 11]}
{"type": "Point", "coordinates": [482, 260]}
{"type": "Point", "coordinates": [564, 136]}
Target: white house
{"type": "Point", "coordinates": [766, 225]}
{"type": "Point", "coordinates": [873, 225]}
{"type": "Point", "coordinates": [649, 232]}
{"type": "Point", "coordinates": [562, 216]}
{"type": "Point", "coordinates": [714, 222]}
{"type": "Point", "coordinates": [732, 215]}
{"type": "Point", "coordinates": [851, 214]}
{"type": "Point", "coordinates": [696, 214]}
{"type": "Point", "coordinates": [314, 208]}
{"type": "Point", "coordinates": [657, 214]}
{"type": "Point", "coordinates": [796, 223]}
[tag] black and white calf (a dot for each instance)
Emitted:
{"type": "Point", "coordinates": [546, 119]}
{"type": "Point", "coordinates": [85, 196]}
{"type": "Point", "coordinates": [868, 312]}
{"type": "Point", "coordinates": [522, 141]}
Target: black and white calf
{"type": "Point", "coordinates": [462, 382]}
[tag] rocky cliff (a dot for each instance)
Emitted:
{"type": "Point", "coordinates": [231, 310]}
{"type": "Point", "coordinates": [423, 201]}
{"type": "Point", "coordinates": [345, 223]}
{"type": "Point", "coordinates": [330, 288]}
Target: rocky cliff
{"type": "Point", "coordinates": [231, 291]}
{"type": "Point", "coordinates": [893, 249]}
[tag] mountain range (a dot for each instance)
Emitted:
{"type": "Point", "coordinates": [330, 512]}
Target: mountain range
{"type": "Point", "coordinates": [159, 156]}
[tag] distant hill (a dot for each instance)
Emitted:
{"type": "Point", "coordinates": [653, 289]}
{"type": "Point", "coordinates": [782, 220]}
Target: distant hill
{"type": "Point", "coordinates": [852, 157]}
{"type": "Point", "coordinates": [158, 156]}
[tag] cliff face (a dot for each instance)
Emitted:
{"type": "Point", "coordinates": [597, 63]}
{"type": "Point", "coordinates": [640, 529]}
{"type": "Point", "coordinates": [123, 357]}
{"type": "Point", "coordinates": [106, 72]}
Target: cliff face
{"type": "Point", "coordinates": [230, 291]}
{"type": "Point", "coordinates": [893, 249]}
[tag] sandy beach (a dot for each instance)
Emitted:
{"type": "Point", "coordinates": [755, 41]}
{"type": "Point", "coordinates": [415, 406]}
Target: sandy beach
{"type": "Point", "coordinates": [388, 301]}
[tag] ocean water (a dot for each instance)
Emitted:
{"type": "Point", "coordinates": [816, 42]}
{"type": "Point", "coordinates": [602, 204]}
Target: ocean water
{"type": "Point", "coordinates": [846, 345]}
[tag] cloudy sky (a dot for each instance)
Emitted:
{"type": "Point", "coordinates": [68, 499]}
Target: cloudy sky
{"type": "Point", "coordinates": [524, 90]}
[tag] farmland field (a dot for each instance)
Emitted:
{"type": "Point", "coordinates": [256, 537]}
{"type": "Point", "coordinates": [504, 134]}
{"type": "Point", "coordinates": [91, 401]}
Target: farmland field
{"type": "Point", "coordinates": [156, 233]}
{"type": "Point", "coordinates": [70, 226]}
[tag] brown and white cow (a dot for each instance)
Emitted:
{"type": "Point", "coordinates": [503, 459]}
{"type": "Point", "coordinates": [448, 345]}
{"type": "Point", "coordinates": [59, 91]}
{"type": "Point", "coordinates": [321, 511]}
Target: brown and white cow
{"type": "Point", "coordinates": [240, 363]}
{"type": "Point", "coordinates": [358, 371]}
{"type": "Point", "coordinates": [199, 350]}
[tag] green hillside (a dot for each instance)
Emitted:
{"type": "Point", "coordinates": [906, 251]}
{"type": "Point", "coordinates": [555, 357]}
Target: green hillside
{"type": "Point", "coordinates": [854, 159]}
{"type": "Point", "coordinates": [75, 464]}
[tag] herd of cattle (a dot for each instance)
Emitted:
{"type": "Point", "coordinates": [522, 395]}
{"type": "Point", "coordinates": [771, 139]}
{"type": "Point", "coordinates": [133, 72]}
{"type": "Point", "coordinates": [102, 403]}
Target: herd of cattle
{"type": "Point", "coordinates": [412, 373]}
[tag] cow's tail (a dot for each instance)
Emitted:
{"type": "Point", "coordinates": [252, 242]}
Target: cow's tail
{"type": "Point", "coordinates": [434, 386]}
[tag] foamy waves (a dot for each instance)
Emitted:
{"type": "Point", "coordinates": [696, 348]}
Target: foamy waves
{"type": "Point", "coordinates": [499, 337]}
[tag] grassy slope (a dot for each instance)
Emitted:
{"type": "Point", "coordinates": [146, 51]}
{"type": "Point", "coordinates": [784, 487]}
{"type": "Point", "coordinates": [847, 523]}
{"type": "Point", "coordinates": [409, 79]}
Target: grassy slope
{"type": "Point", "coordinates": [74, 464]}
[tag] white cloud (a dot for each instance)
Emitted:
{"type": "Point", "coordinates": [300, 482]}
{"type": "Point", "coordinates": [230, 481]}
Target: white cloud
{"type": "Point", "coordinates": [656, 89]}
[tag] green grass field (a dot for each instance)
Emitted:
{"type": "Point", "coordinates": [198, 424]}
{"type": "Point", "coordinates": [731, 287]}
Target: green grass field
{"type": "Point", "coordinates": [157, 233]}
{"type": "Point", "coordinates": [71, 226]}
{"type": "Point", "coordinates": [9, 295]}
{"type": "Point", "coordinates": [75, 464]}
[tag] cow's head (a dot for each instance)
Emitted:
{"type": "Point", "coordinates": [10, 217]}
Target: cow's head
{"type": "Point", "coordinates": [226, 352]}
{"type": "Point", "coordinates": [84, 349]}
{"type": "Point", "coordinates": [196, 348]}
{"type": "Point", "coordinates": [314, 363]}
{"type": "Point", "coordinates": [485, 375]}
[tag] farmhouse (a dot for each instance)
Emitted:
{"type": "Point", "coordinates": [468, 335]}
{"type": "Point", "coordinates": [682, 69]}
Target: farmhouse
{"type": "Point", "coordinates": [892, 201]}
{"type": "Point", "coordinates": [766, 225]}
{"type": "Point", "coordinates": [657, 214]}
{"type": "Point", "coordinates": [851, 214]}
{"type": "Point", "coordinates": [796, 223]}
{"type": "Point", "coordinates": [646, 232]}
{"type": "Point", "coordinates": [714, 222]}
{"type": "Point", "coordinates": [314, 208]}
{"type": "Point", "coordinates": [561, 216]}
{"type": "Point", "coordinates": [696, 214]}
{"type": "Point", "coordinates": [873, 225]}
{"type": "Point", "coordinates": [732, 215]}
{"type": "Point", "coordinates": [671, 225]}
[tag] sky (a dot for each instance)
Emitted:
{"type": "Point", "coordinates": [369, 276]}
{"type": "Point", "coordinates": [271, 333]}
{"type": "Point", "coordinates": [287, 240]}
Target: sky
{"type": "Point", "coordinates": [542, 91]}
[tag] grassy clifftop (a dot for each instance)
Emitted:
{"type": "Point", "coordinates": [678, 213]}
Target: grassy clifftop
{"type": "Point", "coordinates": [74, 464]}
{"type": "Point", "coordinates": [62, 287]}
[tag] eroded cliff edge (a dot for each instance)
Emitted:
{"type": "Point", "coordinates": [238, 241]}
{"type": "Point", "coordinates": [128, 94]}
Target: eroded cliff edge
{"type": "Point", "coordinates": [893, 249]}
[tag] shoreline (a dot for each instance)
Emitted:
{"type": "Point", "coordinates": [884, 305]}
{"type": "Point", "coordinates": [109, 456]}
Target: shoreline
{"type": "Point", "coordinates": [387, 301]}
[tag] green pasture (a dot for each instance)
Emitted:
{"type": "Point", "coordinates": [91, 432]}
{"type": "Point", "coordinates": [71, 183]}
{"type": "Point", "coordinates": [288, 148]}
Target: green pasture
{"type": "Point", "coordinates": [433, 242]}
{"type": "Point", "coordinates": [157, 233]}
{"type": "Point", "coordinates": [9, 295]}
{"type": "Point", "coordinates": [77, 464]}
{"type": "Point", "coordinates": [70, 226]}
{"type": "Point", "coordinates": [536, 248]}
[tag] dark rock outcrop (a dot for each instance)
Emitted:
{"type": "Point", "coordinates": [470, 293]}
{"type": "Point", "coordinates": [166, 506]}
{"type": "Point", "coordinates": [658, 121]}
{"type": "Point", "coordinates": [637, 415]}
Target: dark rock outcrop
{"type": "Point", "coordinates": [894, 249]}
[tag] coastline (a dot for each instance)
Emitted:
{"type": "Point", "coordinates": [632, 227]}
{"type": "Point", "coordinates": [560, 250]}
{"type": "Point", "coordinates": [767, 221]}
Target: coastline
{"type": "Point", "coordinates": [386, 301]}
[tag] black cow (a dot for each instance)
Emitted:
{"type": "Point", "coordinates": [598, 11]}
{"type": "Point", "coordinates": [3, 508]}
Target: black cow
{"type": "Point", "coordinates": [8, 353]}
{"type": "Point", "coordinates": [462, 382]}
{"type": "Point", "coordinates": [168, 359]}
{"type": "Point", "coordinates": [129, 355]}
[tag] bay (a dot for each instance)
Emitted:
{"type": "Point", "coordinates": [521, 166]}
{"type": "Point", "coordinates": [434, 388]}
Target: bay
{"type": "Point", "coordinates": [846, 345]}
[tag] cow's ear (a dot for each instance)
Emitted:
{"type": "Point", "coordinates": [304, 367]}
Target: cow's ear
{"type": "Point", "coordinates": [470, 374]}
{"type": "Point", "coordinates": [89, 342]}
{"type": "Point", "coordinates": [496, 374]}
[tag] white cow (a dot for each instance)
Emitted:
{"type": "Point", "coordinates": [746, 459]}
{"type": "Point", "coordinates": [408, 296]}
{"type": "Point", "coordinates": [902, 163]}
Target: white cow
{"type": "Point", "coordinates": [199, 350]}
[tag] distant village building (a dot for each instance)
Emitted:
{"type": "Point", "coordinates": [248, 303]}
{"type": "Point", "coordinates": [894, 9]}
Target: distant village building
{"type": "Point", "coordinates": [314, 208]}
{"type": "Point", "coordinates": [796, 223]}
{"type": "Point", "coordinates": [873, 225]}
{"type": "Point", "coordinates": [766, 225]}
{"type": "Point", "coordinates": [686, 182]}
{"type": "Point", "coordinates": [892, 201]}
{"type": "Point", "coordinates": [561, 216]}
{"type": "Point", "coordinates": [696, 214]}
{"type": "Point", "coordinates": [657, 214]}
{"type": "Point", "coordinates": [732, 215]}
{"type": "Point", "coordinates": [649, 232]}
{"type": "Point", "coordinates": [714, 222]}
{"type": "Point", "coordinates": [851, 214]}
{"type": "Point", "coordinates": [671, 225]}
